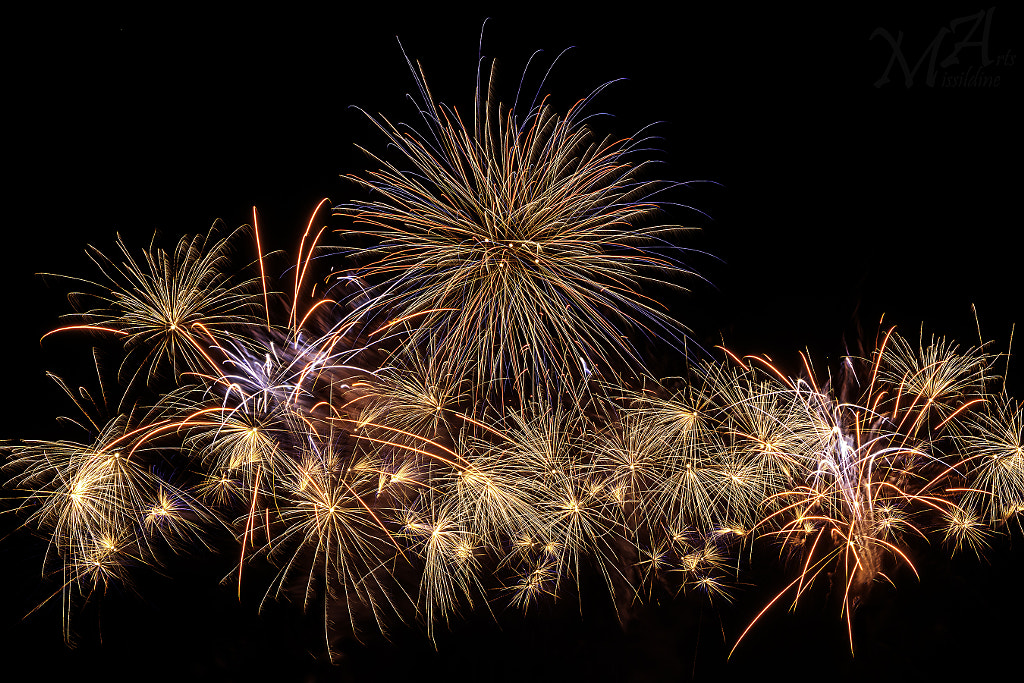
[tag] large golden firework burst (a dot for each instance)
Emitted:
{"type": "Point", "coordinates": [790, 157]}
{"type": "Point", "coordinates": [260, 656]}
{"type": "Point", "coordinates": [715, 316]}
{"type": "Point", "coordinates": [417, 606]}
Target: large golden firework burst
{"type": "Point", "coordinates": [515, 244]}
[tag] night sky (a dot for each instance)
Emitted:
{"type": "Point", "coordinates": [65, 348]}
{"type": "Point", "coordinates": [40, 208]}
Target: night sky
{"type": "Point", "coordinates": [831, 202]}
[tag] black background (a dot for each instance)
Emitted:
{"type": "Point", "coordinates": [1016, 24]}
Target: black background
{"type": "Point", "coordinates": [833, 201]}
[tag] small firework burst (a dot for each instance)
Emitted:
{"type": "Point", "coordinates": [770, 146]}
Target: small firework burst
{"type": "Point", "coordinates": [994, 452]}
{"type": "Point", "coordinates": [168, 307]}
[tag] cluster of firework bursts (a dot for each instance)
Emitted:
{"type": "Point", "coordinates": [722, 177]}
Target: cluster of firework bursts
{"type": "Point", "coordinates": [453, 417]}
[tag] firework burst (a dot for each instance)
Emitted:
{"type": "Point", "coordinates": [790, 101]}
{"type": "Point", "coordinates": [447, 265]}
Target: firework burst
{"type": "Point", "coordinates": [515, 243]}
{"type": "Point", "coordinates": [168, 307]}
{"type": "Point", "coordinates": [880, 463]}
{"type": "Point", "coordinates": [101, 503]}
